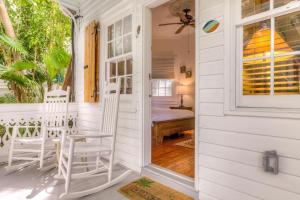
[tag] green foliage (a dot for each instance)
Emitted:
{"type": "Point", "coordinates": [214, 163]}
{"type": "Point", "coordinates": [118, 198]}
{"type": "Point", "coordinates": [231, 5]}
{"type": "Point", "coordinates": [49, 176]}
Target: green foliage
{"type": "Point", "coordinates": [43, 34]}
{"type": "Point", "coordinates": [25, 77]}
{"type": "Point", "coordinates": [12, 45]}
{"type": "Point", "coordinates": [40, 26]}
{"type": "Point", "coordinates": [56, 62]}
{"type": "Point", "coordinates": [7, 98]}
{"type": "Point", "coordinates": [144, 182]}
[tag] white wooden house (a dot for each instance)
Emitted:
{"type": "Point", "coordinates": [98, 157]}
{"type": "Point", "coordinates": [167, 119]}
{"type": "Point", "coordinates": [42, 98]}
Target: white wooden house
{"type": "Point", "coordinates": [232, 130]}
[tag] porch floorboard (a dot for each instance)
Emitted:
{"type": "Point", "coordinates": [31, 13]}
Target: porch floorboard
{"type": "Point", "coordinates": [33, 184]}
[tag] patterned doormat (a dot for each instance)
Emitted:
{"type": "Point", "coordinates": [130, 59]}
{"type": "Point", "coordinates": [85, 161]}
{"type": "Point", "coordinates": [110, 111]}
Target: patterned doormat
{"type": "Point", "coordinates": [147, 189]}
{"type": "Point", "coordinates": [187, 143]}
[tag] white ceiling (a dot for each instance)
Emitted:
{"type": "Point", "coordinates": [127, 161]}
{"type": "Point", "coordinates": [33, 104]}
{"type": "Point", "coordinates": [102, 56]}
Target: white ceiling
{"type": "Point", "coordinates": [162, 15]}
{"type": "Point", "coordinates": [72, 4]}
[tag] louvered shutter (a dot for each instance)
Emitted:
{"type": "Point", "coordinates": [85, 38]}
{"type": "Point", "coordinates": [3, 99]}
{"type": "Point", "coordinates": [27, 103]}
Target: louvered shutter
{"type": "Point", "coordinates": [91, 63]}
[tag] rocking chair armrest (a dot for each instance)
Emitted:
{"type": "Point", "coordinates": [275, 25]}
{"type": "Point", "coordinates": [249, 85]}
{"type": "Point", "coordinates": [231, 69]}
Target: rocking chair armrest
{"type": "Point", "coordinates": [76, 137]}
{"type": "Point", "coordinates": [56, 128]}
{"type": "Point", "coordinates": [92, 131]}
{"type": "Point", "coordinates": [87, 130]}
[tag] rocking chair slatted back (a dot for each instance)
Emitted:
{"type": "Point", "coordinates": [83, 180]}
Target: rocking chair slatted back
{"type": "Point", "coordinates": [110, 108]}
{"type": "Point", "coordinates": [54, 122]}
{"type": "Point", "coordinates": [55, 109]}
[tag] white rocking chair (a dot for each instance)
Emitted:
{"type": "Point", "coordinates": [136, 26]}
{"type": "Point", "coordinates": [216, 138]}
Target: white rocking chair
{"type": "Point", "coordinates": [95, 154]}
{"type": "Point", "coordinates": [33, 148]}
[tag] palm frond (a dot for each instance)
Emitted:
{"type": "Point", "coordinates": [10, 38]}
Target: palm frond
{"type": "Point", "coordinates": [12, 44]}
{"type": "Point", "coordinates": [24, 65]}
{"type": "Point", "coordinates": [15, 77]}
{"type": "Point", "coordinates": [57, 61]}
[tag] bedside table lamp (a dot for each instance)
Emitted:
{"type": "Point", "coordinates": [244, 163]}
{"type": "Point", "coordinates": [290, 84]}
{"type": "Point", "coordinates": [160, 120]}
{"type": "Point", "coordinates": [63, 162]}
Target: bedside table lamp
{"type": "Point", "coordinates": [182, 90]}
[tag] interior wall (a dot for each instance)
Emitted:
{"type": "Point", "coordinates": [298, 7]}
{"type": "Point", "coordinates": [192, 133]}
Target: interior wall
{"type": "Point", "coordinates": [166, 43]}
{"type": "Point", "coordinates": [183, 49]}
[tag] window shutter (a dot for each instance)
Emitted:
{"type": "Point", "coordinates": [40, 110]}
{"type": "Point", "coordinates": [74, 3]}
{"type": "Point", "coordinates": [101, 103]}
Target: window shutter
{"type": "Point", "coordinates": [91, 63]}
{"type": "Point", "coordinates": [163, 68]}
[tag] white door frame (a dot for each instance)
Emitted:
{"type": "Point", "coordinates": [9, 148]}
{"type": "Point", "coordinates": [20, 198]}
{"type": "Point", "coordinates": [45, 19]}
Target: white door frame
{"type": "Point", "coordinates": [147, 60]}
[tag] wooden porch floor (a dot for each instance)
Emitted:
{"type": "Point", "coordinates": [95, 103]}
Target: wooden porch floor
{"type": "Point", "coordinates": [36, 185]}
{"type": "Point", "coordinates": [173, 157]}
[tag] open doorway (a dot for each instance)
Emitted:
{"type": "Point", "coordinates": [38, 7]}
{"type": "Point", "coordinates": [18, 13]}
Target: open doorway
{"type": "Point", "coordinates": [172, 86]}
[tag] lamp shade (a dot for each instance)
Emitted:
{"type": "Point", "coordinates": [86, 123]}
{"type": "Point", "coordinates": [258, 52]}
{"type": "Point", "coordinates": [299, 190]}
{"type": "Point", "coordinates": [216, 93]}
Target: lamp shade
{"type": "Point", "coordinates": [182, 90]}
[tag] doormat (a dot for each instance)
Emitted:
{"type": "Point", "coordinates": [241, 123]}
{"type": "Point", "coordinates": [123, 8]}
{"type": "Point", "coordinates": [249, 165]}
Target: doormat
{"type": "Point", "coordinates": [187, 143]}
{"type": "Point", "coordinates": [147, 189]}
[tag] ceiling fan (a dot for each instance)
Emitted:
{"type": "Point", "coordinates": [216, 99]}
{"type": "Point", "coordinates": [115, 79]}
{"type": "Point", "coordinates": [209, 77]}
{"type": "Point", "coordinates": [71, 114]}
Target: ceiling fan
{"type": "Point", "coordinates": [185, 20]}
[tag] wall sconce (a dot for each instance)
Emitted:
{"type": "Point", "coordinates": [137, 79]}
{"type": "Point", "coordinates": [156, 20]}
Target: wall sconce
{"type": "Point", "coordinates": [271, 162]}
{"type": "Point", "coordinates": [188, 74]}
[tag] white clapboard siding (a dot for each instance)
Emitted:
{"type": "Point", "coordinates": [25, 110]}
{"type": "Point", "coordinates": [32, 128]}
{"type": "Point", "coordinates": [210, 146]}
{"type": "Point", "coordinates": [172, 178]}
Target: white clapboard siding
{"type": "Point", "coordinates": [211, 109]}
{"type": "Point", "coordinates": [211, 54]}
{"type": "Point", "coordinates": [231, 147]}
{"type": "Point", "coordinates": [211, 82]}
{"type": "Point", "coordinates": [128, 138]}
{"type": "Point", "coordinates": [276, 127]}
{"type": "Point", "coordinates": [220, 192]}
{"type": "Point", "coordinates": [247, 157]}
{"type": "Point", "coordinates": [285, 146]}
{"type": "Point", "coordinates": [211, 68]}
{"type": "Point", "coordinates": [211, 96]}
{"type": "Point", "coordinates": [282, 181]}
{"type": "Point", "coordinates": [246, 186]}
{"type": "Point", "coordinates": [204, 196]}
{"type": "Point", "coordinates": [128, 149]}
{"type": "Point", "coordinates": [210, 41]}
{"type": "Point", "coordinates": [211, 10]}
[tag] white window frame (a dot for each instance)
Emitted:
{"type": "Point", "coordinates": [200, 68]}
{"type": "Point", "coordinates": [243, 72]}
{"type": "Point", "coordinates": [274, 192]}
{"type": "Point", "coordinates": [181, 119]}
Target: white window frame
{"type": "Point", "coordinates": [237, 23]}
{"type": "Point", "coordinates": [123, 56]}
{"type": "Point", "coordinates": [165, 88]}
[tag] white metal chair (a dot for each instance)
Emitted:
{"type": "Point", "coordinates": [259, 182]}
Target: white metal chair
{"type": "Point", "coordinates": [32, 148]}
{"type": "Point", "coordinates": [99, 156]}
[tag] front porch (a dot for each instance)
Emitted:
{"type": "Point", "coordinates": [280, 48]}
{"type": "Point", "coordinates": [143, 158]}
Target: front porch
{"type": "Point", "coordinates": [34, 184]}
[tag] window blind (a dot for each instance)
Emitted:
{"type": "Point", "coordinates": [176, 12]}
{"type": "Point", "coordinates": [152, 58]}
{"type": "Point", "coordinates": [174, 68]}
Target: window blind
{"type": "Point", "coordinates": [163, 68]}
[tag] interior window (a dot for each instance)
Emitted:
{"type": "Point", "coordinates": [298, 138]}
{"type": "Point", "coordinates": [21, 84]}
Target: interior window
{"type": "Point", "coordinates": [252, 7]}
{"type": "Point", "coordinates": [279, 3]}
{"type": "Point", "coordinates": [119, 53]}
{"type": "Point", "coordinates": [268, 53]}
{"type": "Point", "coordinates": [272, 66]}
{"type": "Point", "coordinates": [162, 87]}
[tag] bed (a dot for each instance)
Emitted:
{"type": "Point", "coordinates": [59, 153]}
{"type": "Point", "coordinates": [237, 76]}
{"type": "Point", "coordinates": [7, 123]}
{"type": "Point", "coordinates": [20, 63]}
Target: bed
{"type": "Point", "coordinates": [166, 122]}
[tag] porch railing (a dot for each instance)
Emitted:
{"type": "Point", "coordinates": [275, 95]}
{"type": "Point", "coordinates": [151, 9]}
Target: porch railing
{"type": "Point", "coordinates": [29, 117]}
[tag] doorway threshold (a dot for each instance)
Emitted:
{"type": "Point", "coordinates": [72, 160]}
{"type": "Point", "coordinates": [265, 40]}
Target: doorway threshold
{"type": "Point", "coordinates": [171, 179]}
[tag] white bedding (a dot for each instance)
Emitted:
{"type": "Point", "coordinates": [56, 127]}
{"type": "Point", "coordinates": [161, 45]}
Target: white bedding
{"type": "Point", "coordinates": [164, 114]}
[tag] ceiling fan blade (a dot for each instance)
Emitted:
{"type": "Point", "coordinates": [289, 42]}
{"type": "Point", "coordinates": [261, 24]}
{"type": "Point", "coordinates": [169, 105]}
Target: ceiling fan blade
{"type": "Point", "coordinates": [192, 25]}
{"type": "Point", "coordinates": [180, 29]}
{"type": "Point", "coordinates": [169, 24]}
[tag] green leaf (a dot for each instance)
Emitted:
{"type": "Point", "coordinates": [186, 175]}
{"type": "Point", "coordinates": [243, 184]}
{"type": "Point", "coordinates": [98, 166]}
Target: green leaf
{"type": "Point", "coordinates": [24, 65]}
{"type": "Point", "coordinates": [12, 44]}
{"type": "Point", "coordinates": [144, 182]}
{"type": "Point", "coordinates": [56, 62]}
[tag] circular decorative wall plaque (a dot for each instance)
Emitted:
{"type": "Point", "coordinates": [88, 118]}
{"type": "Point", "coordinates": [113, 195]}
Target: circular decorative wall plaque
{"type": "Point", "coordinates": [211, 26]}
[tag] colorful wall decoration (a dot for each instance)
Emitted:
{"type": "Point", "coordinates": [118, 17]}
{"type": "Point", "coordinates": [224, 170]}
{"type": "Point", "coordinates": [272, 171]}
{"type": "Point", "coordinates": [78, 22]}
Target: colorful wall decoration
{"type": "Point", "coordinates": [211, 26]}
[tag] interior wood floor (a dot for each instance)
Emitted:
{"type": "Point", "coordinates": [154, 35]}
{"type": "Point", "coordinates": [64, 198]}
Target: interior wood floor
{"type": "Point", "coordinates": [173, 157]}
